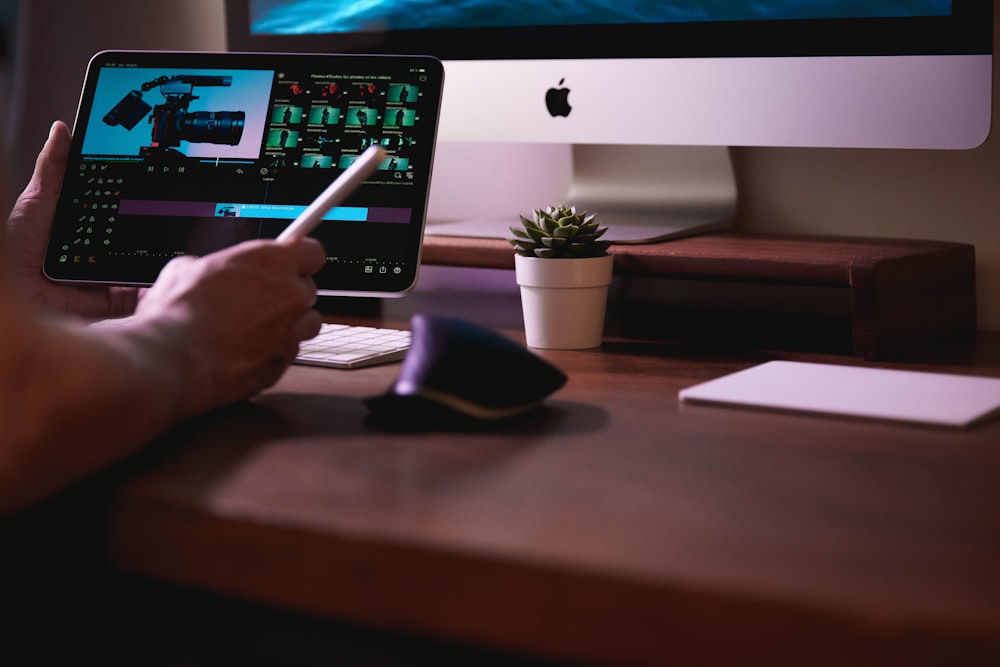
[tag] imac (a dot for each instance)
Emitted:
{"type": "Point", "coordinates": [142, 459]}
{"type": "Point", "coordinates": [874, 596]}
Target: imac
{"type": "Point", "coordinates": [629, 109]}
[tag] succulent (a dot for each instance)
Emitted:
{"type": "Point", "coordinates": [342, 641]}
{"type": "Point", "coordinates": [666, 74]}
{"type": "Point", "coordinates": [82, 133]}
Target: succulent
{"type": "Point", "coordinates": [559, 231]}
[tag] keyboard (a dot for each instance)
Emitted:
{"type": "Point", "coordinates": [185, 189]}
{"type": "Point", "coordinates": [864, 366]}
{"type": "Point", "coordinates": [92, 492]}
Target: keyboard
{"type": "Point", "coordinates": [346, 346]}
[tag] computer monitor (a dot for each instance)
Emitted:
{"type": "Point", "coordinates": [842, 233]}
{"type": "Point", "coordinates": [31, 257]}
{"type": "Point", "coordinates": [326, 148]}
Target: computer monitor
{"type": "Point", "coordinates": [629, 109]}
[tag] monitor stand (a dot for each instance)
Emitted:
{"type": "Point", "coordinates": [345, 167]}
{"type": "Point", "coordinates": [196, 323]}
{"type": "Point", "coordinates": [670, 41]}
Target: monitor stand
{"type": "Point", "coordinates": [643, 194]}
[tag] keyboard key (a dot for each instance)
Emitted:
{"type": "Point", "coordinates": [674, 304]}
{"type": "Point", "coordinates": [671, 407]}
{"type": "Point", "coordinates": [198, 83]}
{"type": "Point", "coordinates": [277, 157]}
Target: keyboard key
{"type": "Point", "coordinates": [346, 346]}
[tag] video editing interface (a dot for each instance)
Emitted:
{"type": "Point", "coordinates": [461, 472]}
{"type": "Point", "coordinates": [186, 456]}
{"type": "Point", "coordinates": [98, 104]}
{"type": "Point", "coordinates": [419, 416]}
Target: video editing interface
{"type": "Point", "coordinates": [187, 160]}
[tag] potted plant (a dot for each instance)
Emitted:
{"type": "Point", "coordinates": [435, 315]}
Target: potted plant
{"type": "Point", "coordinates": [563, 268]}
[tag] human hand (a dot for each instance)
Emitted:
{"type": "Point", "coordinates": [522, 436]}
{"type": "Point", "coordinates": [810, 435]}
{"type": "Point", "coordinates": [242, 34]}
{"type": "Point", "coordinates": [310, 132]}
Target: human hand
{"type": "Point", "coordinates": [232, 321]}
{"type": "Point", "coordinates": [28, 229]}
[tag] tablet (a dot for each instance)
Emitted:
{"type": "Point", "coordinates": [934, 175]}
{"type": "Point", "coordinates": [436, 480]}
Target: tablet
{"type": "Point", "coordinates": [186, 153]}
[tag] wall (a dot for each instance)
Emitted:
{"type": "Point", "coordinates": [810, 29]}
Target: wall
{"type": "Point", "coordinates": [918, 194]}
{"type": "Point", "coordinates": [55, 40]}
{"type": "Point", "coordinates": [953, 196]}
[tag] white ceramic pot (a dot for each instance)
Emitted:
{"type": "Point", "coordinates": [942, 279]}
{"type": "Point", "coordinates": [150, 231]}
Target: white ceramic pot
{"type": "Point", "coordinates": [564, 300]}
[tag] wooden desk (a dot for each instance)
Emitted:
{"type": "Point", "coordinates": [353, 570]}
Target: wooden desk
{"type": "Point", "coordinates": [616, 526]}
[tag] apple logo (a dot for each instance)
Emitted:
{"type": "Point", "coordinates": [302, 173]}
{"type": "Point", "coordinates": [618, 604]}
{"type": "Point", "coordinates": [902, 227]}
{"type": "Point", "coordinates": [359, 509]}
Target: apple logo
{"type": "Point", "coordinates": [557, 100]}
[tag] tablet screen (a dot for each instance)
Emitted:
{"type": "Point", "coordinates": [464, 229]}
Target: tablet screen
{"type": "Point", "coordinates": [186, 153]}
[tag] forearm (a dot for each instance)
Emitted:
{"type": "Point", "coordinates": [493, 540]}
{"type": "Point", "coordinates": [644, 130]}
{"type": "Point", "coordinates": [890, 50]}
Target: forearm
{"type": "Point", "coordinates": [75, 400]}
{"type": "Point", "coordinates": [212, 331]}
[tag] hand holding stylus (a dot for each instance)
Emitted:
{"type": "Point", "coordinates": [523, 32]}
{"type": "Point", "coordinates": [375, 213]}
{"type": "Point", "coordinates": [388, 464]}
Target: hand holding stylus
{"type": "Point", "coordinates": [335, 193]}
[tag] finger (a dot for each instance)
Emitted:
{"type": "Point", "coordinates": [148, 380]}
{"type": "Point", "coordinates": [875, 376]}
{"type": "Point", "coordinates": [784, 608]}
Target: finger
{"type": "Point", "coordinates": [310, 256]}
{"type": "Point", "coordinates": [309, 293]}
{"type": "Point", "coordinates": [33, 212]}
{"type": "Point", "coordinates": [37, 202]}
{"type": "Point", "coordinates": [50, 165]}
{"type": "Point", "coordinates": [307, 325]}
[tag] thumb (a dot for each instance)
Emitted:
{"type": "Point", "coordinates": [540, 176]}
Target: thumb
{"type": "Point", "coordinates": [34, 210]}
{"type": "Point", "coordinates": [50, 165]}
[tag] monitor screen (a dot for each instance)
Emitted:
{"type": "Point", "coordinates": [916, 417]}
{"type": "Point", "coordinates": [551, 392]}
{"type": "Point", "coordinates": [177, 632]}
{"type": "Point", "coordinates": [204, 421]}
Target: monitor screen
{"type": "Point", "coordinates": [553, 96]}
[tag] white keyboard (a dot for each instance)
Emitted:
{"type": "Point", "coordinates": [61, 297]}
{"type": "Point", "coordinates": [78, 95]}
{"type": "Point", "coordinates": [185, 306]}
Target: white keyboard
{"type": "Point", "coordinates": [345, 346]}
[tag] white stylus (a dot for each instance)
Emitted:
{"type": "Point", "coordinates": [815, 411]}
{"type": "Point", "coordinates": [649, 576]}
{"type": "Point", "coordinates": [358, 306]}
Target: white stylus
{"type": "Point", "coordinates": [335, 193]}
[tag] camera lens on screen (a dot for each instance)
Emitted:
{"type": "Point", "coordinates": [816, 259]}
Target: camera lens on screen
{"type": "Point", "coordinates": [215, 127]}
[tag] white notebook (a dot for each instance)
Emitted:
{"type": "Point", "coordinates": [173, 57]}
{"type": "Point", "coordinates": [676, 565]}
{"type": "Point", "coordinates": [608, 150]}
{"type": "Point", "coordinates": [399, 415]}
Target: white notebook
{"type": "Point", "coordinates": [920, 397]}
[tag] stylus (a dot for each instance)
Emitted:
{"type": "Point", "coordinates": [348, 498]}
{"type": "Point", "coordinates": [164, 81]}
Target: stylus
{"type": "Point", "coordinates": [335, 193]}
